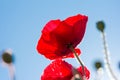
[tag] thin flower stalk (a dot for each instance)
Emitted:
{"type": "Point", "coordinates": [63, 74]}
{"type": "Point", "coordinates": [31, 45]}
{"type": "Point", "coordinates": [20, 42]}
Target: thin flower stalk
{"type": "Point", "coordinates": [78, 59]}
{"type": "Point", "coordinates": [107, 60]}
{"type": "Point", "coordinates": [99, 74]}
{"type": "Point", "coordinates": [11, 72]}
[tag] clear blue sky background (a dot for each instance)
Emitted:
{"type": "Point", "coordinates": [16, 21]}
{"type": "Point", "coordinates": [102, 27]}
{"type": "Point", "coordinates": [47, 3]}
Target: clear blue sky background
{"type": "Point", "coordinates": [21, 22]}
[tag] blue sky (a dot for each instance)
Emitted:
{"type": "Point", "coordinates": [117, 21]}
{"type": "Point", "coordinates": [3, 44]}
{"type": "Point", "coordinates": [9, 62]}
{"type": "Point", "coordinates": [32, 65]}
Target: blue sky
{"type": "Point", "coordinates": [21, 22]}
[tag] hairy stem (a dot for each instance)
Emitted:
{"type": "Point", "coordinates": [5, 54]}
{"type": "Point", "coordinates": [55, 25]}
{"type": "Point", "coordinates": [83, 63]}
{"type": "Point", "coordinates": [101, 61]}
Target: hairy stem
{"type": "Point", "coordinates": [11, 71]}
{"type": "Point", "coordinates": [107, 61]}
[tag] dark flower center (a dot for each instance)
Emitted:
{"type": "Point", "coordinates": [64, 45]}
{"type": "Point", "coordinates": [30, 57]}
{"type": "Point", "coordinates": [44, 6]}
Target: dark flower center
{"type": "Point", "coordinates": [69, 45]}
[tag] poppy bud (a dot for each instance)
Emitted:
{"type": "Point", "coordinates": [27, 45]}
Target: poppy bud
{"type": "Point", "coordinates": [98, 65]}
{"type": "Point", "coordinates": [100, 26]}
{"type": "Point", "coordinates": [7, 58]}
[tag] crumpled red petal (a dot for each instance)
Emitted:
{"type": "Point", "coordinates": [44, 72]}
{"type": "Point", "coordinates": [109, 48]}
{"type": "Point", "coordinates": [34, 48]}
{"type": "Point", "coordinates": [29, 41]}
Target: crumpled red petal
{"type": "Point", "coordinates": [71, 55]}
{"type": "Point", "coordinates": [57, 70]}
{"type": "Point", "coordinates": [57, 35]}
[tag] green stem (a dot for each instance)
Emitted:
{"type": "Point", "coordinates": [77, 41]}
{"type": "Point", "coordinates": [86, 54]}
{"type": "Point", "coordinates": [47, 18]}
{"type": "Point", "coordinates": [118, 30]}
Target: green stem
{"type": "Point", "coordinates": [79, 60]}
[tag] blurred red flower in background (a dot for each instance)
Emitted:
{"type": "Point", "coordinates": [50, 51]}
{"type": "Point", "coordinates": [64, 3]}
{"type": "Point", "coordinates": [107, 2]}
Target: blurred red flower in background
{"type": "Point", "coordinates": [61, 70]}
{"type": "Point", "coordinates": [87, 72]}
{"type": "Point", "coordinates": [57, 70]}
{"type": "Point", "coordinates": [58, 35]}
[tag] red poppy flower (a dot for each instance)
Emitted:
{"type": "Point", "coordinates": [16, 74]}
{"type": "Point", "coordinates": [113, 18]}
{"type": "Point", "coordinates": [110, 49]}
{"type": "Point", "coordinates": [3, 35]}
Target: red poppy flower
{"type": "Point", "coordinates": [57, 70]}
{"type": "Point", "coordinates": [61, 70]}
{"type": "Point", "coordinates": [58, 35]}
{"type": "Point", "coordinates": [87, 73]}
